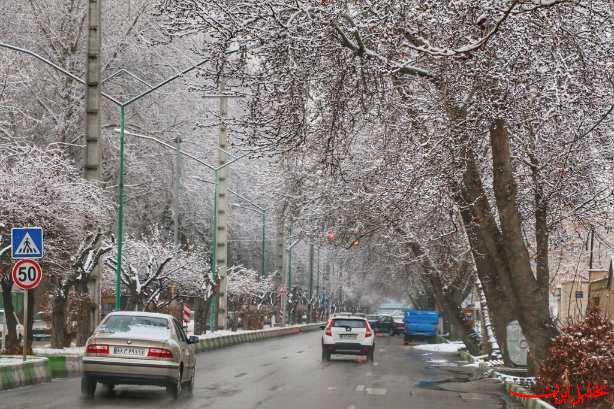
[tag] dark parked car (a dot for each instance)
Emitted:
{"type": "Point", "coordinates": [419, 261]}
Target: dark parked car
{"type": "Point", "coordinates": [399, 325]}
{"type": "Point", "coordinates": [382, 323]}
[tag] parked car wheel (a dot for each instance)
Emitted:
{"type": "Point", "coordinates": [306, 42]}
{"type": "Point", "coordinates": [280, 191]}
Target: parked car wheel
{"type": "Point", "coordinates": [88, 386]}
{"type": "Point", "coordinates": [190, 384]}
{"type": "Point", "coordinates": [174, 389]}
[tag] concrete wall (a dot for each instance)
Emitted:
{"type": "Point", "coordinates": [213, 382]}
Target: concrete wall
{"type": "Point", "coordinates": [573, 301]}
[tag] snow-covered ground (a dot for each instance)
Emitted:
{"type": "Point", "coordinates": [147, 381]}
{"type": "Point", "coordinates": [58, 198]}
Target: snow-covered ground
{"type": "Point", "coordinates": [62, 351]}
{"type": "Point", "coordinates": [453, 346]}
{"type": "Point", "coordinates": [15, 360]}
{"type": "Point", "coordinates": [6, 361]}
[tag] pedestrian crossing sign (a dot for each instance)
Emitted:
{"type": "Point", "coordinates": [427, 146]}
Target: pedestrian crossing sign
{"type": "Point", "coordinates": [26, 242]}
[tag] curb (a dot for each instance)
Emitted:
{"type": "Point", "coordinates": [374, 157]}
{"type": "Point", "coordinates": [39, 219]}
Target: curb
{"type": "Point", "coordinates": [31, 372]}
{"type": "Point", "coordinates": [210, 344]}
{"type": "Point", "coordinates": [46, 367]}
{"type": "Point", "coordinates": [466, 356]}
{"type": "Point", "coordinates": [526, 402]}
{"type": "Point", "coordinates": [64, 366]}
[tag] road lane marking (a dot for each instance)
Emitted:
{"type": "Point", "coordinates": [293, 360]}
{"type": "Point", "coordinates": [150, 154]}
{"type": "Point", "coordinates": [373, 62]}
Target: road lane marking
{"type": "Point", "coordinates": [360, 388]}
{"type": "Point", "coordinates": [376, 391]}
{"type": "Point", "coordinates": [369, 373]}
{"type": "Point", "coordinates": [332, 388]}
{"type": "Point", "coordinates": [375, 363]}
{"type": "Point", "coordinates": [351, 407]}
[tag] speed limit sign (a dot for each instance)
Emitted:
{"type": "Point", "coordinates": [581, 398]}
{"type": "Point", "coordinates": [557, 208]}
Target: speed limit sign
{"type": "Point", "coordinates": [27, 274]}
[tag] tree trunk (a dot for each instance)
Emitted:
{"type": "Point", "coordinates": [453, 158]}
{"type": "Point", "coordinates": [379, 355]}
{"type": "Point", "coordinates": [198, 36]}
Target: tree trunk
{"type": "Point", "coordinates": [491, 345]}
{"type": "Point", "coordinates": [58, 321]}
{"type": "Point", "coordinates": [530, 298]}
{"type": "Point", "coordinates": [201, 314]}
{"type": "Point", "coordinates": [487, 250]}
{"type": "Point", "coordinates": [11, 342]}
{"type": "Point", "coordinates": [29, 321]}
{"type": "Point", "coordinates": [487, 246]}
{"type": "Point", "coordinates": [85, 314]}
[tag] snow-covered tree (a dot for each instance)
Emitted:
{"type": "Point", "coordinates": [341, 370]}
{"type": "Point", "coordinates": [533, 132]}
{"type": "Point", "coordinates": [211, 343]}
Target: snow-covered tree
{"type": "Point", "coordinates": [41, 187]}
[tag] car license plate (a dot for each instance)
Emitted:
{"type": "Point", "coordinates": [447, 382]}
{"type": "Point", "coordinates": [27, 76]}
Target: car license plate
{"type": "Point", "coordinates": [130, 351]}
{"type": "Point", "coordinates": [348, 336]}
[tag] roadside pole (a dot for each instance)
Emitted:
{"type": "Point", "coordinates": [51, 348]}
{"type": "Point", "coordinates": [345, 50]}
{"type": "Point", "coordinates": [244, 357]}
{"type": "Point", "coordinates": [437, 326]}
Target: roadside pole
{"type": "Point", "coordinates": [92, 137]}
{"type": "Point", "coordinates": [223, 209]}
{"type": "Point", "coordinates": [284, 280]}
{"type": "Point", "coordinates": [177, 188]}
{"type": "Point", "coordinates": [25, 324]}
{"type": "Point", "coordinates": [310, 311]}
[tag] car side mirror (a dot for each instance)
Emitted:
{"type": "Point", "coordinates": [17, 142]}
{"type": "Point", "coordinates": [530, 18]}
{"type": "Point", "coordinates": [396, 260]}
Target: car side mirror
{"type": "Point", "coordinates": [192, 339]}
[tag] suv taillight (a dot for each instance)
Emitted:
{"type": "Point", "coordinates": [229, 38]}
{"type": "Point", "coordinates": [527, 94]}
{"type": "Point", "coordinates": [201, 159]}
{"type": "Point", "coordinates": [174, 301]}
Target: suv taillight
{"type": "Point", "coordinates": [159, 353]}
{"type": "Point", "coordinates": [328, 331]}
{"type": "Point", "coordinates": [368, 332]}
{"type": "Point", "coordinates": [97, 349]}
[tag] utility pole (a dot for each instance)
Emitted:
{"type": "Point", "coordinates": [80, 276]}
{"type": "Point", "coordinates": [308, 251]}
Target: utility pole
{"type": "Point", "coordinates": [318, 276]}
{"type": "Point", "coordinates": [310, 281]}
{"type": "Point", "coordinates": [176, 195]}
{"type": "Point", "coordinates": [590, 261]}
{"type": "Point", "coordinates": [92, 137]}
{"type": "Point", "coordinates": [318, 285]}
{"type": "Point", "coordinates": [284, 280]}
{"type": "Point", "coordinates": [223, 207]}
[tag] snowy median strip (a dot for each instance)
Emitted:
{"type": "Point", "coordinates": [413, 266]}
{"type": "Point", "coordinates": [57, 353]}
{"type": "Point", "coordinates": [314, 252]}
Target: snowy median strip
{"type": "Point", "coordinates": [15, 372]}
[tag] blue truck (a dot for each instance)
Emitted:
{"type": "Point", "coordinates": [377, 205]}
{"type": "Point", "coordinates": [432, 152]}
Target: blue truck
{"type": "Point", "coordinates": [421, 323]}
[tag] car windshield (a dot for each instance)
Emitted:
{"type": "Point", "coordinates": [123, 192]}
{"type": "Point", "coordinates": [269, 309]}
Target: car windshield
{"type": "Point", "coordinates": [2, 317]}
{"type": "Point", "coordinates": [39, 316]}
{"type": "Point", "coordinates": [132, 325]}
{"type": "Point", "coordinates": [344, 323]}
{"type": "Point", "coordinates": [372, 317]}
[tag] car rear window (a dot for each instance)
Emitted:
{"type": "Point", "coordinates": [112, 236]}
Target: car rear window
{"type": "Point", "coordinates": [349, 323]}
{"type": "Point", "coordinates": [132, 325]}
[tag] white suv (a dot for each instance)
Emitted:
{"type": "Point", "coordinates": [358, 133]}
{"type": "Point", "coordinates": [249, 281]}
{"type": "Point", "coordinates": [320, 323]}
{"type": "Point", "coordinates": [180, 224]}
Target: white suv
{"type": "Point", "coordinates": [350, 335]}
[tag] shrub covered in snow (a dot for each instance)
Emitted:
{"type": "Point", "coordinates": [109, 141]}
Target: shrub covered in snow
{"type": "Point", "coordinates": [583, 354]}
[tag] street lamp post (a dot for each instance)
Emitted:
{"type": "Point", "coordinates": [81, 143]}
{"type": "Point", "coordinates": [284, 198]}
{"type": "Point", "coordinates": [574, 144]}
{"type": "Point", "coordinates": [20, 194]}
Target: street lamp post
{"type": "Point", "coordinates": [289, 278]}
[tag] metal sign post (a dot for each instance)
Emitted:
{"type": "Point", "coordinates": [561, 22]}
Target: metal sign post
{"type": "Point", "coordinates": [27, 275]}
{"type": "Point", "coordinates": [25, 324]}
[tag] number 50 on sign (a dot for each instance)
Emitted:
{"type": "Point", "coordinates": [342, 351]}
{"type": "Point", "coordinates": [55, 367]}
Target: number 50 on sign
{"type": "Point", "coordinates": [27, 274]}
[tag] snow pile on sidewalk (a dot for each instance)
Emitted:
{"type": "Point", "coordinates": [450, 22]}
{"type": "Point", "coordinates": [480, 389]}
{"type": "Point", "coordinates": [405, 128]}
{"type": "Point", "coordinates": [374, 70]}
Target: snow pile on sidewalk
{"type": "Point", "coordinates": [8, 361]}
{"type": "Point", "coordinates": [518, 380]}
{"type": "Point", "coordinates": [221, 333]}
{"type": "Point", "coordinates": [453, 346]}
{"type": "Point", "coordinates": [61, 351]}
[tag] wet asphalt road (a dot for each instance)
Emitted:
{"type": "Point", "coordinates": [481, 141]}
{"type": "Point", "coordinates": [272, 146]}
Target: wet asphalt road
{"type": "Point", "coordinates": [282, 373]}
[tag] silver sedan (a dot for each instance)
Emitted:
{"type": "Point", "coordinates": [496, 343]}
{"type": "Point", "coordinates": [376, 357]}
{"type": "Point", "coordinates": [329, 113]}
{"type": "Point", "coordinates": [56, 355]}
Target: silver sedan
{"type": "Point", "coordinates": [139, 348]}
